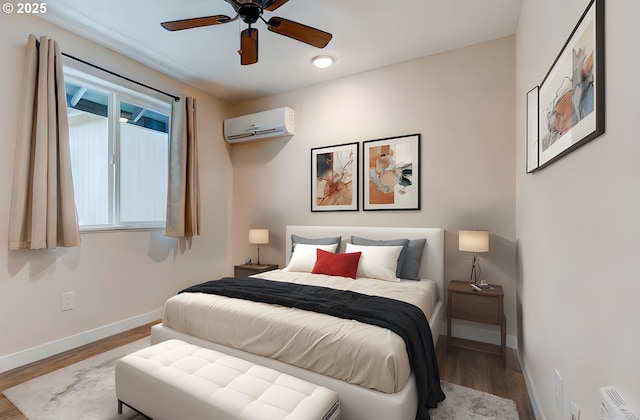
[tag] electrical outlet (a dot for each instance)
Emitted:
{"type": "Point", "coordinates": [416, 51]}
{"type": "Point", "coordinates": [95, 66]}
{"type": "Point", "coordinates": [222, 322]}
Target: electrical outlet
{"type": "Point", "coordinates": [66, 301]}
{"type": "Point", "coordinates": [559, 392]}
{"type": "Point", "coordinates": [575, 412]}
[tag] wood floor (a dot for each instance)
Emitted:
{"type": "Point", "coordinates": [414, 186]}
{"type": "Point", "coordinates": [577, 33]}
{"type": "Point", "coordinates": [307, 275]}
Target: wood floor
{"type": "Point", "coordinates": [485, 372]}
{"type": "Point", "coordinates": [463, 367]}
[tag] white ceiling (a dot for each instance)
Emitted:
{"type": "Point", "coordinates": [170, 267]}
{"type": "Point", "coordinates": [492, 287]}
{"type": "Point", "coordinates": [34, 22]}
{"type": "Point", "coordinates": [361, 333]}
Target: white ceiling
{"type": "Point", "coordinates": [367, 34]}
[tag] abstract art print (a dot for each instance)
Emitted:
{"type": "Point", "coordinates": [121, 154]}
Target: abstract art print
{"type": "Point", "coordinates": [571, 96]}
{"type": "Point", "coordinates": [392, 173]}
{"type": "Point", "coordinates": [334, 178]}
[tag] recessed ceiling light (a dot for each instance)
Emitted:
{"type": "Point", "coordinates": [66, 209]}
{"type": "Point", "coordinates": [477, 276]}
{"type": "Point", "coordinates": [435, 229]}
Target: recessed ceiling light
{"type": "Point", "coordinates": [323, 61]}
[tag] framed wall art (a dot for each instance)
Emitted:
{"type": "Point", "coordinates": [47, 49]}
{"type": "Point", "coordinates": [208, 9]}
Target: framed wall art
{"type": "Point", "coordinates": [532, 129]}
{"type": "Point", "coordinates": [391, 169]}
{"type": "Point", "coordinates": [571, 97]}
{"type": "Point", "coordinates": [334, 178]}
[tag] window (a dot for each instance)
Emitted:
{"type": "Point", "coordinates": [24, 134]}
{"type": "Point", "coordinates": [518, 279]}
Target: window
{"type": "Point", "coordinates": [119, 141]}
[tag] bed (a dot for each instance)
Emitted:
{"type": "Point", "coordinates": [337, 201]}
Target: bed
{"type": "Point", "coordinates": [262, 333]}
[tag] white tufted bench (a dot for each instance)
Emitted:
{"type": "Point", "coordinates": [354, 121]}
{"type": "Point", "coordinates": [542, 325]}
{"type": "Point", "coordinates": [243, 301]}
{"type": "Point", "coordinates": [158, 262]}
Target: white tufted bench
{"type": "Point", "coordinates": [175, 380]}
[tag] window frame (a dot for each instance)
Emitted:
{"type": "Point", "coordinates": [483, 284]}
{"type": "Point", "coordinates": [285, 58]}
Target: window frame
{"type": "Point", "coordinates": [118, 90]}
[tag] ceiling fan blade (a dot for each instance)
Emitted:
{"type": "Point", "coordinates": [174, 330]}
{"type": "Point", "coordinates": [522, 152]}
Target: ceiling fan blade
{"type": "Point", "coordinates": [178, 25]}
{"type": "Point", "coordinates": [248, 46]}
{"type": "Point", "coordinates": [299, 32]}
{"type": "Point", "coordinates": [275, 4]}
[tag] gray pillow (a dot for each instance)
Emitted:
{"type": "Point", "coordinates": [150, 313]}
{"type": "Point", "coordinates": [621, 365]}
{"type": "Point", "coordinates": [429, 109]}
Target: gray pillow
{"type": "Point", "coordinates": [404, 243]}
{"type": "Point", "coordinates": [295, 239]}
{"type": "Point", "coordinates": [412, 259]}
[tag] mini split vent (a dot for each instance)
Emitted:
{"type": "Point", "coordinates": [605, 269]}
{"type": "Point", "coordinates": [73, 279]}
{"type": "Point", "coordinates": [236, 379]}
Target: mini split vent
{"type": "Point", "coordinates": [264, 125]}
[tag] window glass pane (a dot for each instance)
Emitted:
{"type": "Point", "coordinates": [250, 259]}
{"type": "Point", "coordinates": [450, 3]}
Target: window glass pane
{"type": "Point", "coordinates": [119, 152]}
{"type": "Point", "coordinates": [86, 98]}
{"type": "Point", "coordinates": [144, 144]}
{"type": "Point", "coordinates": [89, 142]}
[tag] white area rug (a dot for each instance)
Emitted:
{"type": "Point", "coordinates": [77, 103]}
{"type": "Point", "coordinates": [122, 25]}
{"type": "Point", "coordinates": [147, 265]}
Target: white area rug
{"type": "Point", "coordinates": [469, 404]}
{"type": "Point", "coordinates": [86, 390]}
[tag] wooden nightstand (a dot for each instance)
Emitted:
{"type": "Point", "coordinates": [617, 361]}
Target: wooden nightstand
{"type": "Point", "coordinates": [246, 270]}
{"type": "Point", "coordinates": [485, 306]}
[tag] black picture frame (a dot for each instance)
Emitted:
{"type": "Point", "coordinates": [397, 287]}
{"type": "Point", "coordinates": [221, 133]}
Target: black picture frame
{"type": "Point", "coordinates": [391, 173]}
{"type": "Point", "coordinates": [571, 96]}
{"type": "Point", "coordinates": [532, 130]}
{"type": "Point", "coordinates": [334, 178]}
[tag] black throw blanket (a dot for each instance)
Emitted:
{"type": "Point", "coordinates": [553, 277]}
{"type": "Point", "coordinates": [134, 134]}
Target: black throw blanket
{"type": "Point", "coordinates": [404, 319]}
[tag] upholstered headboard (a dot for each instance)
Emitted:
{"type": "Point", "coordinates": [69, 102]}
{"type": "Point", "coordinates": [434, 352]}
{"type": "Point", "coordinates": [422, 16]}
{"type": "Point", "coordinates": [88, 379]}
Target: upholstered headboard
{"type": "Point", "coordinates": [431, 267]}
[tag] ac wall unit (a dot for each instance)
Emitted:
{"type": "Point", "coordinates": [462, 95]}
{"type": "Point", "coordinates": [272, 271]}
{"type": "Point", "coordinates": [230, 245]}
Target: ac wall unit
{"type": "Point", "coordinates": [259, 126]}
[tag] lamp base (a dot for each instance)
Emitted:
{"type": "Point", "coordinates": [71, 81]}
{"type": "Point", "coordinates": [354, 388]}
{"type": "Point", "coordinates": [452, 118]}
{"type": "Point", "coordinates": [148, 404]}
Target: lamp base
{"type": "Point", "coordinates": [475, 273]}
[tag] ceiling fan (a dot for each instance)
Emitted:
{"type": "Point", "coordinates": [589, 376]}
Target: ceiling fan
{"type": "Point", "coordinates": [250, 11]}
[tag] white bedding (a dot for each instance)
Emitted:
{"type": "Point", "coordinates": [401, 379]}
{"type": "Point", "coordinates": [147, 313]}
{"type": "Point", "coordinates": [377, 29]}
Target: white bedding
{"type": "Point", "coordinates": [358, 353]}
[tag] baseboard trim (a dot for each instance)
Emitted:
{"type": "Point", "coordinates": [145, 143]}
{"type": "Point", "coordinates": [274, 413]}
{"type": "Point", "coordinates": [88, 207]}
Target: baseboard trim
{"type": "Point", "coordinates": [12, 361]}
{"type": "Point", "coordinates": [531, 389]}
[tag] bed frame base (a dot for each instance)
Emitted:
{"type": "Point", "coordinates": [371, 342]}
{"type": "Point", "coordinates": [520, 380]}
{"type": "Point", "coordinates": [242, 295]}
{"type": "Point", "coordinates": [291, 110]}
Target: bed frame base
{"type": "Point", "coordinates": [357, 403]}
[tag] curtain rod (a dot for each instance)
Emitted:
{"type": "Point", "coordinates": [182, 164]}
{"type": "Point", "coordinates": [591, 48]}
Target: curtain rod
{"type": "Point", "coordinates": [175, 98]}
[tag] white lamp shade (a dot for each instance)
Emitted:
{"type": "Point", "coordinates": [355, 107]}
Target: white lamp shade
{"type": "Point", "coordinates": [473, 240]}
{"type": "Point", "coordinates": [258, 236]}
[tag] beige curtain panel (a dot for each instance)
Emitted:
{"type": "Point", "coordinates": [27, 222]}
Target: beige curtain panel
{"type": "Point", "coordinates": [43, 212]}
{"type": "Point", "coordinates": [183, 196]}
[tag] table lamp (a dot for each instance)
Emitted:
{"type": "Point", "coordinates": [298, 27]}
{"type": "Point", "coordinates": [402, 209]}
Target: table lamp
{"type": "Point", "coordinates": [474, 241]}
{"type": "Point", "coordinates": [258, 237]}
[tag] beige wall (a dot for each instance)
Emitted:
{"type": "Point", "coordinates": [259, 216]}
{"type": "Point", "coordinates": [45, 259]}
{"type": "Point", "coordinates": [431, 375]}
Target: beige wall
{"type": "Point", "coordinates": [115, 276]}
{"type": "Point", "coordinates": [462, 102]}
{"type": "Point", "coordinates": [578, 224]}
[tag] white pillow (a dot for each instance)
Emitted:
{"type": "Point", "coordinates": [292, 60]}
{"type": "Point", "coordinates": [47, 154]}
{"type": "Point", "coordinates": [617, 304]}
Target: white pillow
{"type": "Point", "coordinates": [305, 255]}
{"type": "Point", "coordinates": [377, 262]}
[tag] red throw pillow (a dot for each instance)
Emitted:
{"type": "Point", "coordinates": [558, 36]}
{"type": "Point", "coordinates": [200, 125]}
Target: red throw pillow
{"type": "Point", "coordinates": [345, 265]}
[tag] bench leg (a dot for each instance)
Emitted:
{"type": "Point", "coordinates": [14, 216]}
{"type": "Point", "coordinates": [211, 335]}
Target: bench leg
{"type": "Point", "coordinates": [121, 404]}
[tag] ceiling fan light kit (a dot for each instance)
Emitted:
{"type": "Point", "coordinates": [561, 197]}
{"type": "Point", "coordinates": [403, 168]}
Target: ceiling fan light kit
{"type": "Point", "coordinates": [250, 11]}
{"type": "Point", "coordinates": [323, 61]}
